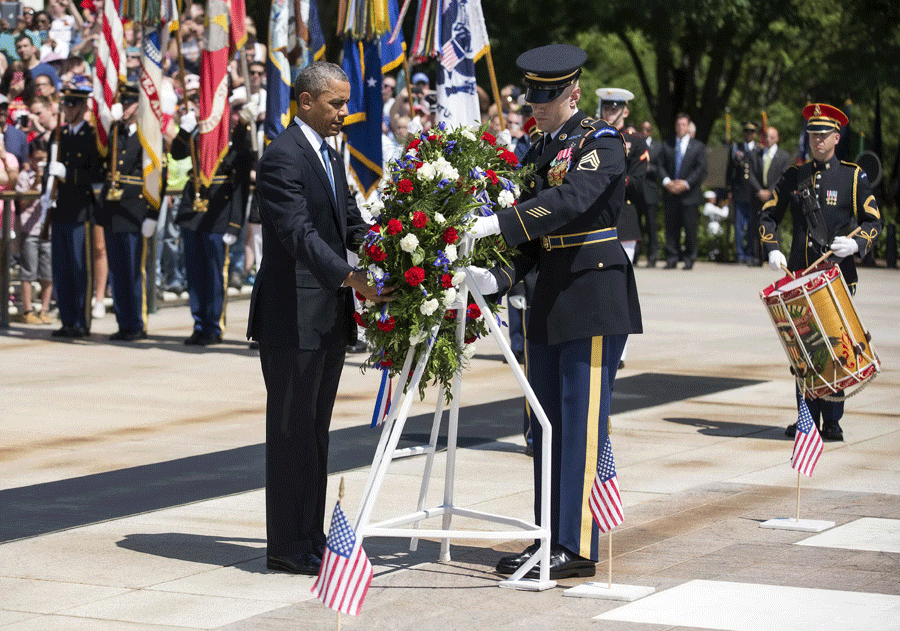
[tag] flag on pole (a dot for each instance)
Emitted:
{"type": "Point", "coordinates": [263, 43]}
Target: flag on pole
{"type": "Point", "coordinates": [346, 572]}
{"type": "Point", "coordinates": [226, 33]}
{"type": "Point", "coordinates": [150, 115]}
{"type": "Point", "coordinates": [605, 501]}
{"type": "Point", "coordinates": [807, 442]}
{"type": "Point", "coordinates": [392, 52]}
{"type": "Point", "coordinates": [362, 128]}
{"type": "Point", "coordinates": [110, 70]}
{"type": "Point", "coordinates": [463, 41]}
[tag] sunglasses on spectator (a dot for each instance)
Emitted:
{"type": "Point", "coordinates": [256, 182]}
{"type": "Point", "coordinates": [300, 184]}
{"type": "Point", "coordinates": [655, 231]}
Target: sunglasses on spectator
{"type": "Point", "coordinates": [258, 73]}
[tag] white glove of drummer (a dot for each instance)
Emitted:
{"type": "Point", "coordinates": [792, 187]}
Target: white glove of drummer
{"type": "Point", "coordinates": [484, 227]}
{"type": "Point", "coordinates": [777, 260]}
{"type": "Point", "coordinates": [57, 170]}
{"type": "Point", "coordinates": [115, 112]}
{"type": "Point", "coordinates": [148, 228]}
{"type": "Point", "coordinates": [844, 246]}
{"type": "Point", "coordinates": [484, 280]}
{"type": "Point", "coordinates": [518, 302]}
{"type": "Point", "coordinates": [229, 239]}
{"type": "Point", "coordinates": [188, 122]}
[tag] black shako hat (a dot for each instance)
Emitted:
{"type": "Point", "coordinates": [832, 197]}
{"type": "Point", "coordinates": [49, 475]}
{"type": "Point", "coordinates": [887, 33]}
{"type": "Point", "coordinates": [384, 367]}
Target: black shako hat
{"type": "Point", "coordinates": [549, 70]}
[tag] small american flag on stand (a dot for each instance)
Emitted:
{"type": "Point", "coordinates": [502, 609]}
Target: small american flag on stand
{"type": "Point", "coordinates": [346, 572]}
{"type": "Point", "coordinates": [605, 501]}
{"type": "Point", "coordinates": [807, 443]}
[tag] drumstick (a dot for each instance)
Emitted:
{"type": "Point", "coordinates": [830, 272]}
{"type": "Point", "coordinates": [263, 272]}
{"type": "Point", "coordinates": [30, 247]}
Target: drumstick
{"type": "Point", "coordinates": [827, 254]}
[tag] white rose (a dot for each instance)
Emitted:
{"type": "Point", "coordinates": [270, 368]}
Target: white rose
{"type": "Point", "coordinates": [449, 297]}
{"type": "Point", "coordinates": [458, 277]}
{"type": "Point", "coordinates": [376, 271]}
{"type": "Point", "coordinates": [468, 135]}
{"type": "Point", "coordinates": [427, 172]}
{"type": "Point", "coordinates": [446, 169]}
{"type": "Point", "coordinates": [429, 306]}
{"type": "Point", "coordinates": [504, 139]}
{"type": "Point", "coordinates": [505, 199]}
{"type": "Point", "coordinates": [450, 252]}
{"type": "Point", "coordinates": [439, 218]}
{"type": "Point", "coordinates": [409, 243]}
{"type": "Point", "coordinates": [468, 351]}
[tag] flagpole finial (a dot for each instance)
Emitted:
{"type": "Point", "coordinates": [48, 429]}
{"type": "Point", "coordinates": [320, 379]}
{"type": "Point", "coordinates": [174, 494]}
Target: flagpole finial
{"type": "Point", "coordinates": [341, 490]}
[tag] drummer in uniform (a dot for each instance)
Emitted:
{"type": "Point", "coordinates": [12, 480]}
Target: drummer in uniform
{"type": "Point", "coordinates": [209, 230]}
{"type": "Point", "coordinates": [828, 199]}
{"type": "Point", "coordinates": [127, 219]}
{"type": "Point", "coordinates": [585, 300]}
{"type": "Point", "coordinates": [78, 168]}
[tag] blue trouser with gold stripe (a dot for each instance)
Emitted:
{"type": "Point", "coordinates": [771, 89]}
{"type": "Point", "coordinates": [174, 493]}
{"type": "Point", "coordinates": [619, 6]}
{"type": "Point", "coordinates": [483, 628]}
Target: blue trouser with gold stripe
{"type": "Point", "coordinates": [126, 252]}
{"type": "Point", "coordinates": [205, 264]}
{"type": "Point", "coordinates": [70, 255]}
{"type": "Point", "coordinates": [573, 381]}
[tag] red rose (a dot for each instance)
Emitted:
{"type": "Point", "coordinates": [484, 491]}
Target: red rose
{"type": "Point", "coordinates": [471, 338]}
{"type": "Point", "coordinates": [413, 144]}
{"type": "Point", "coordinates": [450, 314]}
{"type": "Point", "coordinates": [414, 276]}
{"type": "Point", "coordinates": [450, 236]}
{"type": "Point", "coordinates": [385, 363]}
{"type": "Point", "coordinates": [446, 281]}
{"type": "Point", "coordinates": [375, 228]}
{"type": "Point", "coordinates": [473, 311]}
{"type": "Point", "coordinates": [404, 186]}
{"type": "Point", "coordinates": [509, 157]}
{"type": "Point", "coordinates": [394, 226]}
{"type": "Point", "coordinates": [420, 219]}
{"type": "Point", "coordinates": [432, 138]}
{"type": "Point", "coordinates": [419, 164]}
{"type": "Point", "coordinates": [377, 253]}
{"type": "Point", "coordinates": [359, 319]}
{"type": "Point", "coordinates": [387, 325]}
{"type": "Point", "coordinates": [492, 176]}
{"type": "Point", "coordinates": [490, 138]}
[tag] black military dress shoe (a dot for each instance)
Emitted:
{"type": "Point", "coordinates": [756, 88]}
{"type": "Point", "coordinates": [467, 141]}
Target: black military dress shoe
{"type": "Point", "coordinates": [209, 340]}
{"type": "Point", "coordinates": [194, 339]}
{"type": "Point", "coordinates": [304, 563]}
{"type": "Point", "coordinates": [832, 431]}
{"type": "Point", "coordinates": [509, 564]}
{"type": "Point", "coordinates": [565, 564]}
{"type": "Point", "coordinates": [128, 336]}
{"type": "Point", "coordinates": [64, 331]}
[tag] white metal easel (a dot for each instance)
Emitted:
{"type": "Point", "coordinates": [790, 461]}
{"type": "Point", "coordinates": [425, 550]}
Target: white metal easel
{"type": "Point", "coordinates": [387, 451]}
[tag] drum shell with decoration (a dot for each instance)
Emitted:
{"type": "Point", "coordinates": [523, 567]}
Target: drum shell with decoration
{"type": "Point", "coordinates": [826, 343]}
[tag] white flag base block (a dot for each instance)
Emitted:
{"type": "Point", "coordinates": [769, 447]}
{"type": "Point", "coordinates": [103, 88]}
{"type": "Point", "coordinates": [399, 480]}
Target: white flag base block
{"type": "Point", "coordinates": [605, 591]}
{"type": "Point", "coordinates": [527, 584]}
{"type": "Point", "coordinates": [802, 525]}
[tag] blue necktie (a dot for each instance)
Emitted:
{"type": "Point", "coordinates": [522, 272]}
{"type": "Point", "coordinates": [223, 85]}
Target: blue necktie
{"type": "Point", "coordinates": [678, 157]}
{"type": "Point", "coordinates": [324, 151]}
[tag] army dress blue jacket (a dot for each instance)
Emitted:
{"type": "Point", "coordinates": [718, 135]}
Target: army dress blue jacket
{"type": "Point", "coordinates": [127, 213]}
{"type": "Point", "coordinates": [84, 168]}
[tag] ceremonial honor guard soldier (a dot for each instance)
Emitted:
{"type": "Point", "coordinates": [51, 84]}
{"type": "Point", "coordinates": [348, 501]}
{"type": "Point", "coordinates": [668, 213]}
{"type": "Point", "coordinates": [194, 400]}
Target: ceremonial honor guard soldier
{"type": "Point", "coordinates": [211, 221]}
{"type": "Point", "coordinates": [828, 199]}
{"type": "Point", "coordinates": [77, 169]}
{"type": "Point", "coordinates": [127, 219]}
{"type": "Point", "coordinates": [585, 300]}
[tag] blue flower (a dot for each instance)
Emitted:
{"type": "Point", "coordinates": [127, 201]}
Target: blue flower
{"type": "Point", "coordinates": [442, 261]}
{"type": "Point", "coordinates": [451, 145]}
{"type": "Point", "coordinates": [384, 313]}
{"type": "Point", "coordinates": [476, 173]}
{"type": "Point", "coordinates": [442, 126]}
{"type": "Point", "coordinates": [443, 183]}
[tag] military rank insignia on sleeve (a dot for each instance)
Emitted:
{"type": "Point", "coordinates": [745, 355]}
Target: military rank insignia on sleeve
{"type": "Point", "coordinates": [559, 167]}
{"type": "Point", "coordinates": [589, 162]}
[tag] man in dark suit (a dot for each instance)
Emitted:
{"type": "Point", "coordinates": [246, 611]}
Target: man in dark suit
{"type": "Point", "coordinates": [767, 168]}
{"type": "Point", "coordinates": [651, 193]}
{"type": "Point", "coordinates": [682, 167]}
{"type": "Point", "coordinates": [301, 311]}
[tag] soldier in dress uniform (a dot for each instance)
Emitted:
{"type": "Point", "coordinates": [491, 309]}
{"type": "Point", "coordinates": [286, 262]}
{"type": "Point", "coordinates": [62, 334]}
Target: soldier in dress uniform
{"type": "Point", "coordinates": [127, 220]}
{"type": "Point", "coordinates": [209, 231]}
{"type": "Point", "coordinates": [585, 300]}
{"type": "Point", "coordinates": [77, 169]}
{"type": "Point", "coordinates": [740, 178]}
{"type": "Point", "coordinates": [828, 199]}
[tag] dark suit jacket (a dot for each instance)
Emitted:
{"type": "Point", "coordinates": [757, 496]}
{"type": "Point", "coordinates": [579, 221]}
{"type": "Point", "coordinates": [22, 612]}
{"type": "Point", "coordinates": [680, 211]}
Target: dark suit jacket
{"type": "Point", "coordinates": [780, 163]}
{"type": "Point", "coordinates": [693, 170]}
{"type": "Point", "coordinates": [297, 297]}
{"type": "Point", "coordinates": [652, 181]}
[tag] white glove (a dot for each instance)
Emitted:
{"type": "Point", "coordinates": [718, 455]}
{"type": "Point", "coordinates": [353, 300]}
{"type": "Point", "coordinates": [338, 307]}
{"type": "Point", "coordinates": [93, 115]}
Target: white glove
{"type": "Point", "coordinates": [484, 227]}
{"type": "Point", "coordinates": [777, 260]}
{"type": "Point", "coordinates": [249, 113]}
{"type": "Point", "coordinates": [518, 302]}
{"type": "Point", "coordinates": [188, 122]}
{"type": "Point", "coordinates": [229, 239]}
{"type": "Point", "coordinates": [57, 170]}
{"type": "Point", "coordinates": [115, 112]}
{"type": "Point", "coordinates": [844, 246]}
{"type": "Point", "coordinates": [484, 280]}
{"type": "Point", "coordinates": [148, 227]}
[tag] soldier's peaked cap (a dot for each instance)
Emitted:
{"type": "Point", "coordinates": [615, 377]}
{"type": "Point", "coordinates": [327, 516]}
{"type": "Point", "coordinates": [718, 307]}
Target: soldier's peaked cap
{"type": "Point", "coordinates": [614, 96]}
{"type": "Point", "coordinates": [549, 70]}
{"type": "Point", "coordinates": [128, 92]}
{"type": "Point", "coordinates": [823, 118]}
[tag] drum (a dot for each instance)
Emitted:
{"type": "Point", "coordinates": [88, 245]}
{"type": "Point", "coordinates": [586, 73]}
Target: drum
{"type": "Point", "coordinates": [827, 345]}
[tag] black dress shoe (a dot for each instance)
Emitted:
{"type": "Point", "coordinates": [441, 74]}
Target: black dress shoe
{"type": "Point", "coordinates": [78, 331]}
{"type": "Point", "coordinates": [832, 431]}
{"type": "Point", "coordinates": [209, 340]}
{"type": "Point", "coordinates": [64, 331]}
{"type": "Point", "coordinates": [565, 564]}
{"type": "Point", "coordinates": [509, 564]}
{"type": "Point", "coordinates": [791, 430]}
{"type": "Point", "coordinates": [670, 265]}
{"type": "Point", "coordinates": [194, 339]}
{"type": "Point", "coordinates": [304, 563]}
{"type": "Point", "coordinates": [128, 336]}
{"type": "Point", "coordinates": [689, 265]}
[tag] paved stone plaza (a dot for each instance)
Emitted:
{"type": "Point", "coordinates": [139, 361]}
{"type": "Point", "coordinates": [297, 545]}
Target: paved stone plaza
{"type": "Point", "coordinates": [131, 482]}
